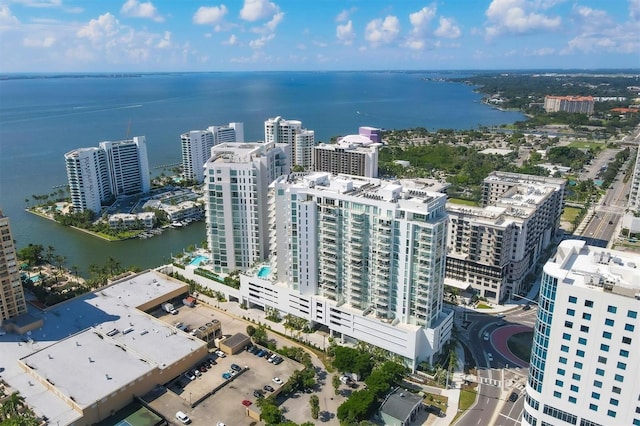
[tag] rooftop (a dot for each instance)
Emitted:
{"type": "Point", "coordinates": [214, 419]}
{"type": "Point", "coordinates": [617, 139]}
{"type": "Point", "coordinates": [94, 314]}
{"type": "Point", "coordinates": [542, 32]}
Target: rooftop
{"type": "Point", "coordinates": [576, 263]}
{"type": "Point", "coordinates": [400, 404]}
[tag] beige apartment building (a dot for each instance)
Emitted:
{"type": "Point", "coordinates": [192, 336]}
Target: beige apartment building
{"type": "Point", "coordinates": [12, 302]}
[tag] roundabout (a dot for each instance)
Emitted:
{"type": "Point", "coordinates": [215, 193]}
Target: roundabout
{"type": "Point", "coordinates": [503, 336]}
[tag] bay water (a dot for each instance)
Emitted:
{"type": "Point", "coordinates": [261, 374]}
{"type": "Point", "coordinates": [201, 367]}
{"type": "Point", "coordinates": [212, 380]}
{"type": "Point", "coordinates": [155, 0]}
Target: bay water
{"type": "Point", "coordinates": [43, 116]}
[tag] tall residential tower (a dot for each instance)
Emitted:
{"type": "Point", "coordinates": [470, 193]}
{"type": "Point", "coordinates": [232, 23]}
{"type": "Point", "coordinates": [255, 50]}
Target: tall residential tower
{"type": "Point", "coordinates": [300, 140]}
{"type": "Point", "coordinates": [196, 147]}
{"type": "Point", "coordinates": [12, 301]}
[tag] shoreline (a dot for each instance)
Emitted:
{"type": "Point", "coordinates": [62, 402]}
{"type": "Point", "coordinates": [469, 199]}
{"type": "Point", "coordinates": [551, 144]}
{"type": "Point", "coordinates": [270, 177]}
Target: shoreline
{"type": "Point", "coordinates": [86, 231]}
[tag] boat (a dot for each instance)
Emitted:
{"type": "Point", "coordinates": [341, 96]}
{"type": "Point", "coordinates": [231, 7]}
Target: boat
{"type": "Point", "coordinates": [176, 224]}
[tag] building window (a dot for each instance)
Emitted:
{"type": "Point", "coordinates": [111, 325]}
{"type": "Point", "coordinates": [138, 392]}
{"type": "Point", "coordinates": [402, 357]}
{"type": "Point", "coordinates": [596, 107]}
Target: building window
{"type": "Point", "coordinates": [632, 314]}
{"type": "Point", "coordinates": [612, 309]}
{"type": "Point", "coordinates": [584, 328]}
{"type": "Point", "coordinates": [629, 327]}
{"type": "Point", "coordinates": [593, 407]}
{"type": "Point", "coordinates": [622, 366]}
{"type": "Point", "coordinates": [588, 303]}
{"type": "Point", "coordinates": [582, 340]}
{"type": "Point", "coordinates": [571, 312]}
{"type": "Point", "coordinates": [618, 378]}
{"type": "Point", "coordinates": [563, 360]}
{"type": "Point", "coordinates": [611, 413]}
{"type": "Point", "coordinates": [566, 336]}
{"type": "Point", "coordinates": [573, 299]}
{"type": "Point", "coordinates": [577, 365]}
{"type": "Point", "coordinates": [606, 335]}
{"type": "Point", "coordinates": [597, 383]}
{"type": "Point", "coordinates": [595, 395]}
{"type": "Point", "coordinates": [574, 388]}
{"type": "Point", "coordinates": [609, 322]}
{"type": "Point", "coordinates": [559, 383]}
{"type": "Point", "coordinates": [599, 371]}
{"type": "Point", "coordinates": [560, 372]}
{"type": "Point", "coordinates": [568, 324]}
{"type": "Point", "coordinates": [616, 389]}
{"type": "Point", "coordinates": [586, 316]}
{"type": "Point", "coordinates": [575, 376]}
{"type": "Point", "coordinates": [564, 348]}
{"type": "Point", "coordinates": [572, 399]}
{"type": "Point", "coordinates": [580, 353]}
{"type": "Point", "coordinates": [613, 401]}
{"type": "Point", "coordinates": [604, 348]}
{"type": "Point", "coordinates": [557, 394]}
{"type": "Point", "coordinates": [626, 340]}
{"type": "Point", "coordinates": [602, 360]}
{"type": "Point", "coordinates": [624, 353]}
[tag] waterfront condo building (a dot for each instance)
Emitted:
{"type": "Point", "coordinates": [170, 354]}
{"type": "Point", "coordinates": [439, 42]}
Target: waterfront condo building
{"type": "Point", "coordinates": [96, 175]}
{"type": "Point", "coordinates": [300, 140]}
{"type": "Point", "coordinates": [574, 104]}
{"type": "Point", "coordinates": [12, 301]}
{"type": "Point", "coordinates": [493, 248]}
{"type": "Point", "coordinates": [363, 257]}
{"type": "Point", "coordinates": [585, 357]}
{"type": "Point", "coordinates": [196, 147]}
{"type": "Point", "coordinates": [630, 220]}
{"type": "Point", "coordinates": [353, 155]}
{"type": "Point", "coordinates": [237, 178]}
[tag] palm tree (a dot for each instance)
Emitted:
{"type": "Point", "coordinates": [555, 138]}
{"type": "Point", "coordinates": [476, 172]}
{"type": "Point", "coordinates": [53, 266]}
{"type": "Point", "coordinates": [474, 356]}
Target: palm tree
{"type": "Point", "coordinates": [11, 407]}
{"type": "Point", "coordinates": [49, 254]}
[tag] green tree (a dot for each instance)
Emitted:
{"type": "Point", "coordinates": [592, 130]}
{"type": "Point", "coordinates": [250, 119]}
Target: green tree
{"type": "Point", "coordinates": [32, 254]}
{"type": "Point", "coordinates": [260, 335]}
{"type": "Point", "coordinates": [314, 402]}
{"type": "Point", "coordinates": [251, 330]}
{"type": "Point", "coordinates": [359, 406]}
{"type": "Point", "coordinates": [335, 382]}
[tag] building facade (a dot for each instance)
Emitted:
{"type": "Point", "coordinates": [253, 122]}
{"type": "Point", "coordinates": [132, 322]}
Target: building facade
{"type": "Point", "coordinates": [237, 177]}
{"type": "Point", "coordinates": [96, 175]}
{"type": "Point", "coordinates": [584, 361]}
{"type": "Point", "coordinates": [494, 247]}
{"type": "Point", "coordinates": [300, 140]}
{"type": "Point", "coordinates": [352, 155]}
{"type": "Point", "coordinates": [573, 104]}
{"type": "Point", "coordinates": [88, 178]}
{"type": "Point", "coordinates": [364, 257]}
{"type": "Point", "coordinates": [12, 301]}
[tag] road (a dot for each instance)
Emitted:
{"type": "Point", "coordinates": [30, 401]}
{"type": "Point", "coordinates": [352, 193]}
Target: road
{"type": "Point", "coordinates": [496, 380]}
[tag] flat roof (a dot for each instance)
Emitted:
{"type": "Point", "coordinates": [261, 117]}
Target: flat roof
{"type": "Point", "coordinates": [76, 322]}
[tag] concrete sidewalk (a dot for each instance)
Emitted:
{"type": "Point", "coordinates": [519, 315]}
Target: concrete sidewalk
{"type": "Point", "coordinates": [453, 393]}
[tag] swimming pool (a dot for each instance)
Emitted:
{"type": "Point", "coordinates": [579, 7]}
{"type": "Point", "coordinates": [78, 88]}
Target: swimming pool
{"type": "Point", "coordinates": [264, 271]}
{"type": "Point", "coordinates": [198, 260]}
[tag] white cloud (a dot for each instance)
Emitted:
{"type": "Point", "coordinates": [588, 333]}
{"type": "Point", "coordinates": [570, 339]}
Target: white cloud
{"type": "Point", "coordinates": [40, 3]}
{"type": "Point", "coordinates": [254, 10]}
{"type": "Point", "coordinates": [344, 15]}
{"type": "Point", "coordinates": [447, 28]}
{"type": "Point", "coordinates": [260, 42]}
{"type": "Point", "coordinates": [40, 42]}
{"type": "Point", "coordinates": [231, 41]}
{"type": "Point", "coordinates": [165, 42]}
{"type": "Point", "coordinates": [97, 29]}
{"type": "Point", "coordinates": [517, 17]}
{"type": "Point", "coordinates": [634, 10]}
{"type": "Point", "coordinates": [415, 44]}
{"type": "Point", "coordinates": [135, 9]}
{"type": "Point", "coordinates": [420, 19]}
{"type": "Point", "coordinates": [209, 15]}
{"type": "Point", "coordinates": [7, 19]}
{"type": "Point", "coordinates": [381, 31]}
{"type": "Point", "coordinates": [275, 21]}
{"type": "Point", "coordinates": [345, 33]}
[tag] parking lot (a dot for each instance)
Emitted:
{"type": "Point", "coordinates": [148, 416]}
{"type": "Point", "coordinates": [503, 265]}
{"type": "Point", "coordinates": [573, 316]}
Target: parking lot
{"type": "Point", "coordinates": [225, 405]}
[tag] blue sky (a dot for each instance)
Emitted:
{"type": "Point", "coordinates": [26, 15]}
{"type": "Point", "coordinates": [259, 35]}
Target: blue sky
{"type": "Point", "coordinates": [247, 35]}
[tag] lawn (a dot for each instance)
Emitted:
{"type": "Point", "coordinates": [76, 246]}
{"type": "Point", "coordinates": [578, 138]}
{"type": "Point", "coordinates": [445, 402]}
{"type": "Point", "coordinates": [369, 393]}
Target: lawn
{"type": "Point", "coordinates": [463, 201]}
{"type": "Point", "coordinates": [467, 399]}
{"type": "Point", "coordinates": [437, 400]}
{"type": "Point", "coordinates": [520, 345]}
{"type": "Point", "coordinates": [583, 144]}
{"type": "Point", "coordinates": [570, 213]}
{"type": "Point", "coordinates": [481, 305]}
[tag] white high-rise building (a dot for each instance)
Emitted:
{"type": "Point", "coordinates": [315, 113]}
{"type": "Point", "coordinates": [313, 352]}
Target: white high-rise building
{"type": "Point", "coordinates": [301, 141]}
{"type": "Point", "coordinates": [585, 359]}
{"type": "Point", "coordinates": [12, 301]}
{"type": "Point", "coordinates": [96, 175]}
{"type": "Point", "coordinates": [128, 166]}
{"type": "Point", "coordinates": [634, 194]}
{"type": "Point", "coordinates": [88, 177]}
{"type": "Point", "coordinates": [237, 177]}
{"type": "Point", "coordinates": [352, 155]}
{"type": "Point", "coordinates": [196, 147]}
{"type": "Point", "coordinates": [364, 257]}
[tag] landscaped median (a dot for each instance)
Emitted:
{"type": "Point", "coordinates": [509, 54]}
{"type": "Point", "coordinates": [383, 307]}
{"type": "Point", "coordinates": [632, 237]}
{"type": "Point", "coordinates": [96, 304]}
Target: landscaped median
{"type": "Point", "coordinates": [468, 395]}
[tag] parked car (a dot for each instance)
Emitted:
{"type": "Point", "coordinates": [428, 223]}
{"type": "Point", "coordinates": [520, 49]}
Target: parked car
{"type": "Point", "coordinates": [258, 394]}
{"type": "Point", "coordinates": [246, 402]}
{"type": "Point", "coordinates": [513, 397]}
{"type": "Point", "coordinates": [261, 352]}
{"type": "Point", "coordinates": [189, 375]}
{"type": "Point", "coordinates": [489, 356]}
{"type": "Point", "coordinates": [220, 353]}
{"type": "Point", "coordinates": [226, 376]}
{"type": "Point", "coordinates": [236, 367]}
{"type": "Point", "coordinates": [277, 380]}
{"type": "Point", "coordinates": [278, 360]}
{"type": "Point", "coordinates": [272, 357]}
{"type": "Point", "coordinates": [183, 417]}
{"type": "Point", "coordinates": [268, 388]}
{"type": "Point", "coordinates": [202, 368]}
{"type": "Point", "coordinates": [197, 373]}
{"type": "Point", "coordinates": [485, 336]}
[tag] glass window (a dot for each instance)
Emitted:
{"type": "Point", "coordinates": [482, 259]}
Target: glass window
{"type": "Point", "coordinates": [563, 360]}
{"type": "Point", "coordinates": [593, 407]}
{"type": "Point", "coordinates": [572, 399]}
{"type": "Point", "coordinates": [632, 314]}
{"type": "Point", "coordinates": [568, 324]}
{"type": "Point", "coordinates": [616, 389]}
{"type": "Point", "coordinates": [557, 394]}
{"type": "Point", "coordinates": [609, 322]}
{"type": "Point", "coordinates": [580, 353]}
{"type": "Point", "coordinates": [626, 340]}
{"type": "Point", "coordinates": [629, 327]}
{"type": "Point", "coordinates": [566, 336]}
{"type": "Point", "coordinates": [618, 378]}
{"type": "Point", "coordinates": [573, 299]}
{"type": "Point", "coordinates": [584, 328]}
{"type": "Point", "coordinates": [622, 366]}
{"type": "Point", "coordinates": [606, 335]}
{"type": "Point", "coordinates": [597, 383]}
{"type": "Point", "coordinates": [599, 371]}
{"type": "Point", "coordinates": [602, 360]}
{"type": "Point", "coordinates": [624, 353]}
{"type": "Point", "coordinates": [611, 309]}
{"type": "Point", "coordinates": [571, 312]}
{"type": "Point", "coordinates": [575, 376]}
{"type": "Point", "coordinates": [559, 383]}
{"type": "Point", "coordinates": [595, 395]}
{"type": "Point", "coordinates": [586, 316]}
{"type": "Point", "coordinates": [588, 303]}
{"type": "Point", "coordinates": [611, 413]}
{"type": "Point", "coordinates": [613, 401]}
{"type": "Point", "coordinates": [582, 341]}
{"type": "Point", "coordinates": [574, 388]}
{"type": "Point", "coordinates": [564, 348]}
{"type": "Point", "coordinates": [604, 347]}
{"type": "Point", "coordinates": [577, 365]}
{"type": "Point", "coordinates": [560, 372]}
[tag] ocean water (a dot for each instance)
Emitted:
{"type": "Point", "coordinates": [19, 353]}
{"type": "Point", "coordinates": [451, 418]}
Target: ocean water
{"type": "Point", "coordinates": [43, 118]}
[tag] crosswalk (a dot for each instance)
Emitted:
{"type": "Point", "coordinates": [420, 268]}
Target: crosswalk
{"type": "Point", "coordinates": [490, 382]}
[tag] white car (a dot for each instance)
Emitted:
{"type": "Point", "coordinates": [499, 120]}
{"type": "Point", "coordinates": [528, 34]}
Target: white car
{"type": "Point", "coordinates": [489, 356]}
{"type": "Point", "coordinates": [183, 417]}
{"type": "Point", "coordinates": [220, 354]}
{"type": "Point", "coordinates": [277, 380]}
{"type": "Point", "coordinates": [220, 424]}
{"type": "Point", "coordinates": [189, 375]}
{"type": "Point", "coordinates": [197, 372]}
